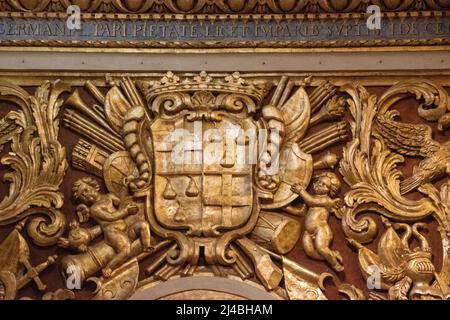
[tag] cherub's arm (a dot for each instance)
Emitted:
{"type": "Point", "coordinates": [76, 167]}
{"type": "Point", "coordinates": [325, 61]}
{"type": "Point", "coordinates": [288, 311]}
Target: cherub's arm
{"type": "Point", "coordinates": [115, 200]}
{"type": "Point", "coordinates": [310, 200]}
{"type": "Point", "coordinates": [112, 216]}
{"type": "Point", "coordinates": [102, 211]}
{"type": "Point", "coordinates": [94, 232]}
{"type": "Point", "coordinates": [337, 207]}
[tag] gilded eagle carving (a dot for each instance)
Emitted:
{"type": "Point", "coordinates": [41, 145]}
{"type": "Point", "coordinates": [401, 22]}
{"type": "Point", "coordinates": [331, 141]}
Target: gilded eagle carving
{"type": "Point", "coordinates": [416, 140]}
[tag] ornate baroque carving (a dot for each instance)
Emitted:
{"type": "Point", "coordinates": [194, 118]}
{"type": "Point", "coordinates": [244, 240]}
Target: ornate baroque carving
{"type": "Point", "coordinates": [212, 212]}
{"type": "Point", "coordinates": [220, 6]}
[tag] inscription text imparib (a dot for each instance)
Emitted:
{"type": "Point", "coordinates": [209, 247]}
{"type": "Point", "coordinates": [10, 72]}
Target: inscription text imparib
{"type": "Point", "coordinates": [224, 30]}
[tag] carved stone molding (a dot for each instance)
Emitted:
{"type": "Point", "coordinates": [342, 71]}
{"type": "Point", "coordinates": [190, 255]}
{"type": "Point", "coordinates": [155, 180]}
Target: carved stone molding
{"type": "Point", "coordinates": [188, 24]}
{"type": "Point", "coordinates": [220, 6]}
{"type": "Point", "coordinates": [92, 177]}
{"type": "Point", "coordinates": [165, 31]}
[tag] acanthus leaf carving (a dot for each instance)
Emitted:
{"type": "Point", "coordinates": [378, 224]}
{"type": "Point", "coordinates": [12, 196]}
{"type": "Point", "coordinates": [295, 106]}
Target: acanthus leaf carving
{"type": "Point", "coordinates": [37, 158]}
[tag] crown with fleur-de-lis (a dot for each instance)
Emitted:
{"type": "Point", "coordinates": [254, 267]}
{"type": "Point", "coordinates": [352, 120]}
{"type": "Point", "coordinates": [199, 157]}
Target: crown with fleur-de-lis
{"type": "Point", "coordinates": [231, 84]}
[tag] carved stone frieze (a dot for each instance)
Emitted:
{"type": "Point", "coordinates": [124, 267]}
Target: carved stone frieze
{"type": "Point", "coordinates": [238, 24]}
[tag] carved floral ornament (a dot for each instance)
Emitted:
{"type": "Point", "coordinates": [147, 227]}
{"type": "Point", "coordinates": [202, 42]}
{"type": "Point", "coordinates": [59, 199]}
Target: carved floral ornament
{"type": "Point", "coordinates": [138, 210]}
{"type": "Point", "coordinates": [221, 6]}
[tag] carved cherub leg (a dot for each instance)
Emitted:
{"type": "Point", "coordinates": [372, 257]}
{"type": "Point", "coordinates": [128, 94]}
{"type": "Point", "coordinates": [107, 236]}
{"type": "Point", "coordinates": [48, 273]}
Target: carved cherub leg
{"type": "Point", "coordinates": [122, 246]}
{"type": "Point", "coordinates": [309, 246]}
{"type": "Point", "coordinates": [322, 243]}
{"type": "Point", "coordinates": [141, 230]}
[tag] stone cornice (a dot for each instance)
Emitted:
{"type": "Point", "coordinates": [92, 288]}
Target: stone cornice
{"type": "Point", "coordinates": [221, 6]}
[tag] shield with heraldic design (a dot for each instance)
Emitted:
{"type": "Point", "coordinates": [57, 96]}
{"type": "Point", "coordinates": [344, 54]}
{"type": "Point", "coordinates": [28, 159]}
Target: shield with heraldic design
{"type": "Point", "coordinates": [203, 173]}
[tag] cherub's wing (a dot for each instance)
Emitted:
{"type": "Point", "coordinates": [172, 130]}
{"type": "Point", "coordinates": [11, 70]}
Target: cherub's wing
{"type": "Point", "coordinates": [407, 139]}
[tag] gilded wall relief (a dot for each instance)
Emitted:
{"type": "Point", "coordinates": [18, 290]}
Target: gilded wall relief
{"type": "Point", "coordinates": [220, 6]}
{"type": "Point", "coordinates": [301, 187]}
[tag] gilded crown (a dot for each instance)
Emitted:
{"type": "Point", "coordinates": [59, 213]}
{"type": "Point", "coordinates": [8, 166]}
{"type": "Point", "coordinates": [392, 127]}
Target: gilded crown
{"type": "Point", "coordinates": [417, 254]}
{"type": "Point", "coordinates": [231, 84]}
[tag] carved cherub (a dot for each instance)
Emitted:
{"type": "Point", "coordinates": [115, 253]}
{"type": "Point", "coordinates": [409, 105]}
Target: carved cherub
{"type": "Point", "coordinates": [317, 236]}
{"type": "Point", "coordinates": [107, 211]}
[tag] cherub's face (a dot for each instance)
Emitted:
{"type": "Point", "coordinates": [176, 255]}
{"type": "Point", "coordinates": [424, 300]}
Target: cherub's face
{"type": "Point", "coordinates": [88, 194]}
{"type": "Point", "coordinates": [322, 186]}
